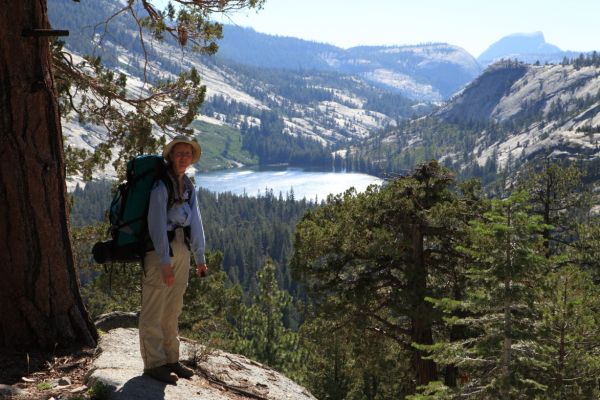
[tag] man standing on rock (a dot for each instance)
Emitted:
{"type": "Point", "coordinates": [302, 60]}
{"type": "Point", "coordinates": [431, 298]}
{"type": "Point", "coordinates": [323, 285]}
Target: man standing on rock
{"type": "Point", "coordinates": [175, 229]}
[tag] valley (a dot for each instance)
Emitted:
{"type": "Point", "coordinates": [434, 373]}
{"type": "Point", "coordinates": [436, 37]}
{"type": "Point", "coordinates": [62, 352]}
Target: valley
{"type": "Point", "coordinates": [430, 285]}
{"type": "Point", "coordinates": [380, 110]}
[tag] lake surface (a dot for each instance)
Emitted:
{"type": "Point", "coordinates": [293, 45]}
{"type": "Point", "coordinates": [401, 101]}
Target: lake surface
{"type": "Point", "coordinates": [305, 183]}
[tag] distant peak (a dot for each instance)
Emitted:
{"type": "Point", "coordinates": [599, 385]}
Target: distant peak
{"type": "Point", "coordinates": [518, 45]}
{"type": "Point", "coordinates": [531, 35]}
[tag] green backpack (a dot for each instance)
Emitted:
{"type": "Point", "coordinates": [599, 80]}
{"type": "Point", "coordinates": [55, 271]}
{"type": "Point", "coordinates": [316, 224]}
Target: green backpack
{"type": "Point", "coordinates": [128, 211]}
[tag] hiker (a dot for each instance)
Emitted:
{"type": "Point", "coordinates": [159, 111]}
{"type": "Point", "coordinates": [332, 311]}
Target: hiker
{"type": "Point", "coordinates": [175, 232]}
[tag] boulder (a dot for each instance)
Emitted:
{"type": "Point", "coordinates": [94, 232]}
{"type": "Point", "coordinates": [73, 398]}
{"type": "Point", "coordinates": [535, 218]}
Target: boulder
{"type": "Point", "coordinates": [219, 375]}
{"type": "Point", "coordinates": [117, 319]}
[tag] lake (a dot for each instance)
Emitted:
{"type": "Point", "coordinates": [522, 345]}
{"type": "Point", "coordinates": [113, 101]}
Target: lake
{"type": "Point", "coordinates": [305, 183]}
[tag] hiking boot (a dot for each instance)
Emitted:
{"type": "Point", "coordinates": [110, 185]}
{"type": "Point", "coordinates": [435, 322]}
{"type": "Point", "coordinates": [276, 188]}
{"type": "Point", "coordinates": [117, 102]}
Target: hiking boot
{"type": "Point", "coordinates": [181, 370]}
{"type": "Point", "coordinates": [162, 373]}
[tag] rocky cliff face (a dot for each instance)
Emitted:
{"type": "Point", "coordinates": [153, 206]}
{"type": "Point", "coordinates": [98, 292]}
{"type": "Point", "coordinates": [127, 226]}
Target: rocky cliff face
{"type": "Point", "coordinates": [326, 106]}
{"type": "Point", "coordinates": [509, 115]}
{"type": "Point", "coordinates": [478, 101]}
{"type": "Point", "coordinates": [552, 108]}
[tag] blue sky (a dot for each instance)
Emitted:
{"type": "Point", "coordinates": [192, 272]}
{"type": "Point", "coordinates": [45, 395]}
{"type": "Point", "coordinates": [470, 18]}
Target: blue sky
{"type": "Point", "coordinates": [470, 24]}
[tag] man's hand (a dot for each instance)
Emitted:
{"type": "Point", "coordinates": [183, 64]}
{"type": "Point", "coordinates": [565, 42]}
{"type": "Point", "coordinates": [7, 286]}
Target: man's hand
{"type": "Point", "coordinates": [201, 270]}
{"type": "Point", "coordinates": [168, 276]}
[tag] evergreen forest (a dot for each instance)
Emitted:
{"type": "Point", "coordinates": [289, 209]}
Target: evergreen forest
{"type": "Point", "coordinates": [427, 287]}
{"type": "Point", "coordinates": [450, 281]}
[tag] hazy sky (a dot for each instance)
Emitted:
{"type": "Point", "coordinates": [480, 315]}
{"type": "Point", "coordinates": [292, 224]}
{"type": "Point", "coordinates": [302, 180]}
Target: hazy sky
{"type": "Point", "coordinates": [470, 24]}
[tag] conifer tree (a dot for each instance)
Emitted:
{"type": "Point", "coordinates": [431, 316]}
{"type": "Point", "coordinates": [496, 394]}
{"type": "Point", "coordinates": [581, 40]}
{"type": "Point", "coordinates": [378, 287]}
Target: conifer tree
{"type": "Point", "coordinates": [557, 195]}
{"type": "Point", "coordinates": [507, 263]}
{"type": "Point", "coordinates": [350, 362]}
{"type": "Point", "coordinates": [585, 252]}
{"type": "Point", "coordinates": [261, 333]}
{"type": "Point", "coordinates": [329, 354]}
{"type": "Point", "coordinates": [210, 304]}
{"type": "Point", "coordinates": [377, 255]}
{"type": "Point", "coordinates": [568, 336]}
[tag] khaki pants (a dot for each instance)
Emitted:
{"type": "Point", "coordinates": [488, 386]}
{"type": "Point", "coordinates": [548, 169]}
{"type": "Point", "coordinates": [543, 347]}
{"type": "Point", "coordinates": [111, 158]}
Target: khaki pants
{"type": "Point", "coordinates": [161, 306]}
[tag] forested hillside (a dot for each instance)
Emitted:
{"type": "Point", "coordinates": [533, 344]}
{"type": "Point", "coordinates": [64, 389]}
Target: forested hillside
{"type": "Point", "coordinates": [248, 231]}
{"type": "Point", "coordinates": [512, 114]}
{"type": "Point", "coordinates": [248, 111]}
{"type": "Point", "coordinates": [424, 285]}
{"type": "Point", "coordinates": [426, 72]}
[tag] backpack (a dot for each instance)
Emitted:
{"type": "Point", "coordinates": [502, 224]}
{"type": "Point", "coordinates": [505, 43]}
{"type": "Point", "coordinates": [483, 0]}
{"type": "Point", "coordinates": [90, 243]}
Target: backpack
{"type": "Point", "coordinates": [128, 211]}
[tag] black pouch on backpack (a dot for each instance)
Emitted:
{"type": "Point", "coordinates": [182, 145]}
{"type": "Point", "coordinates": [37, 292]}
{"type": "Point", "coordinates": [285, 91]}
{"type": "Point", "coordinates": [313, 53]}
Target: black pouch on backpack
{"type": "Point", "coordinates": [108, 252]}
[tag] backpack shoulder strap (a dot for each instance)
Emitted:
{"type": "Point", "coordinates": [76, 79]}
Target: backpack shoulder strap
{"type": "Point", "coordinates": [162, 174]}
{"type": "Point", "coordinates": [189, 185]}
{"type": "Point", "coordinates": [169, 184]}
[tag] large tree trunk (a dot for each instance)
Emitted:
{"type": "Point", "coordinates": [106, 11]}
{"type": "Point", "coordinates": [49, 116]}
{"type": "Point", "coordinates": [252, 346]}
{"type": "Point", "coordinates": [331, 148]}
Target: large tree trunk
{"type": "Point", "coordinates": [40, 303]}
{"type": "Point", "coordinates": [421, 323]}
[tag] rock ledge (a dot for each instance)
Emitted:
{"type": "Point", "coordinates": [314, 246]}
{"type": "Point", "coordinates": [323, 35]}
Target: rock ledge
{"type": "Point", "coordinates": [220, 375]}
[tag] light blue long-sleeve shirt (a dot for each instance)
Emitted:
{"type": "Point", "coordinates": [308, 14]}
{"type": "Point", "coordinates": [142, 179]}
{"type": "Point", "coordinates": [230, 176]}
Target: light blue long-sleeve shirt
{"type": "Point", "coordinates": [181, 214]}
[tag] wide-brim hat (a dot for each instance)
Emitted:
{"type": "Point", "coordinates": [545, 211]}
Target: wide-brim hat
{"type": "Point", "coordinates": [197, 150]}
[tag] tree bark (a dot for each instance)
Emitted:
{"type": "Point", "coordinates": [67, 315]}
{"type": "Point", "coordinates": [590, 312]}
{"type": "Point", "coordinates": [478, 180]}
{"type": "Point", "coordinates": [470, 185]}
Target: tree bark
{"type": "Point", "coordinates": [421, 333]}
{"type": "Point", "coordinates": [421, 320]}
{"type": "Point", "coordinates": [40, 302]}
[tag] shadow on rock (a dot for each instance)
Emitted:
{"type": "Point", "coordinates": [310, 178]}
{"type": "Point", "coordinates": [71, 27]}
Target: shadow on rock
{"type": "Point", "coordinates": [142, 388]}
